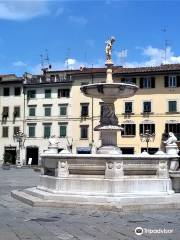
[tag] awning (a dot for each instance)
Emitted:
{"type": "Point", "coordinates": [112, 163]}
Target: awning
{"type": "Point", "coordinates": [83, 149]}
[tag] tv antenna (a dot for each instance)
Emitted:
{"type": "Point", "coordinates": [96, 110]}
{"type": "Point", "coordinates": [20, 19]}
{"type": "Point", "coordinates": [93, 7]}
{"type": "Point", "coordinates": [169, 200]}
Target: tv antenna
{"type": "Point", "coordinates": [67, 58]}
{"type": "Point", "coordinates": [45, 65]}
{"type": "Point", "coordinates": [123, 55]}
{"type": "Point", "coordinates": [164, 30]}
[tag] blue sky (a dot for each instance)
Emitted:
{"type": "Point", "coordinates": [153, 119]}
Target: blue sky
{"type": "Point", "coordinates": [77, 30]}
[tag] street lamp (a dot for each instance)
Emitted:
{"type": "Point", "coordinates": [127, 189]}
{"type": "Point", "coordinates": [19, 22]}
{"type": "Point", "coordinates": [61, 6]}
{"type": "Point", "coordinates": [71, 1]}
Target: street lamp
{"type": "Point", "coordinates": [19, 137]}
{"type": "Point", "coordinates": [147, 137]}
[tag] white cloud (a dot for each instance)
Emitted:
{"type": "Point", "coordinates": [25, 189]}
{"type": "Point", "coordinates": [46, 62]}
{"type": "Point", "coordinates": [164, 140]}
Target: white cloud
{"type": "Point", "coordinates": [22, 10]}
{"type": "Point", "coordinates": [154, 57]}
{"type": "Point", "coordinates": [19, 64]}
{"type": "Point", "coordinates": [71, 61]}
{"type": "Point", "coordinates": [78, 20]}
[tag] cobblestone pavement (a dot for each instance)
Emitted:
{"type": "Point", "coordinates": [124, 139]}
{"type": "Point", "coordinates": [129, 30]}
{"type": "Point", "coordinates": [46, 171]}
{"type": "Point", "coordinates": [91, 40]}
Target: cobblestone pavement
{"type": "Point", "coordinates": [19, 221]}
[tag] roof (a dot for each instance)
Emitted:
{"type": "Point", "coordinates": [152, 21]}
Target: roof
{"type": "Point", "coordinates": [155, 69]}
{"type": "Point", "coordinates": [6, 78]}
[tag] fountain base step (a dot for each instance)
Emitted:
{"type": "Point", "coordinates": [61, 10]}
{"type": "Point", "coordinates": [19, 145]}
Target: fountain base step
{"type": "Point", "coordinates": [124, 202]}
{"type": "Point", "coordinates": [101, 186]}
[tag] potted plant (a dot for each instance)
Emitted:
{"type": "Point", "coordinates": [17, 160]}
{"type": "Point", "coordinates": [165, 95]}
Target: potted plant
{"type": "Point", "coordinates": [6, 161]}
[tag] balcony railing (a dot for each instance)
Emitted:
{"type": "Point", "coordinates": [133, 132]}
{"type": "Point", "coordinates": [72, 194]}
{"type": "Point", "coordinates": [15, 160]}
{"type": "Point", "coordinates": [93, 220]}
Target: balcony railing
{"type": "Point", "coordinates": [47, 79]}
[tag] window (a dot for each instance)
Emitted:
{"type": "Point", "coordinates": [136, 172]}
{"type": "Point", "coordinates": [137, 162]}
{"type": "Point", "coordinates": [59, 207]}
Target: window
{"type": "Point", "coordinates": [172, 127]}
{"type": "Point", "coordinates": [47, 111]}
{"type": "Point", "coordinates": [84, 110]}
{"type": "Point", "coordinates": [6, 92]}
{"type": "Point", "coordinates": [172, 106]}
{"type": "Point", "coordinates": [32, 129]}
{"type": "Point", "coordinates": [129, 130]}
{"type": "Point", "coordinates": [32, 111]}
{"type": "Point", "coordinates": [17, 91]}
{"type": "Point", "coordinates": [84, 131]}
{"type": "Point", "coordinates": [31, 94]}
{"type": "Point", "coordinates": [47, 93]}
{"type": "Point", "coordinates": [16, 130]}
{"type": "Point", "coordinates": [63, 93]}
{"type": "Point", "coordinates": [171, 81]}
{"type": "Point", "coordinates": [129, 80]}
{"type": "Point", "coordinates": [47, 130]}
{"type": "Point", "coordinates": [63, 110]}
{"type": "Point", "coordinates": [147, 82]}
{"type": "Point", "coordinates": [63, 130]}
{"type": "Point", "coordinates": [5, 112]}
{"type": "Point", "coordinates": [128, 107]}
{"type": "Point", "coordinates": [145, 127]}
{"type": "Point", "coordinates": [5, 132]}
{"type": "Point", "coordinates": [16, 112]}
{"type": "Point", "coordinates": [147, 107]}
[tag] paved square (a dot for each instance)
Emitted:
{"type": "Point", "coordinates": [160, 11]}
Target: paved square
{"type": "Point", "coordinates": [19, 221]}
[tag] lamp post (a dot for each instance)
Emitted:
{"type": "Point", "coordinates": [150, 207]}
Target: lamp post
{"type": "Point", "coordinates": [19, 137]}
{"type": "Point", "coordinates": [147, 137]}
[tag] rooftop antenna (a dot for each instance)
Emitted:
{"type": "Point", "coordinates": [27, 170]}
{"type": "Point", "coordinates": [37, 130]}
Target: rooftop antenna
{"type": "Point", "coordinates": [45, 66]}
{"type": "Point", "coordinates": [164, 30]}
{"type": "Point", "coordinates": [123, 55]}
{"type": "Point", "coordinates": [67, 58]}
{"type": "Point", "coordinates": [42, 61]}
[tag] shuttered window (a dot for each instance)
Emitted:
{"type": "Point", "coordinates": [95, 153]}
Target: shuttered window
{"type": "Point", "coordinates": [147, 82]}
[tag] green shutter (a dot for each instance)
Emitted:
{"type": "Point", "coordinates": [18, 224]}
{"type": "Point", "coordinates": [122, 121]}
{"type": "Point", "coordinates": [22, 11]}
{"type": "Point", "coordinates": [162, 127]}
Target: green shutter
{"type": "Point", "coordinates": [31, 131]}
{"type": "Point", "coordinates": [47, 111]}
{"type": "Point", "coordinates": [62, 131]}
{"type": "Point", "coordinates": [63, 111]}
{"type": "Point", "coordinates": [47, 131]}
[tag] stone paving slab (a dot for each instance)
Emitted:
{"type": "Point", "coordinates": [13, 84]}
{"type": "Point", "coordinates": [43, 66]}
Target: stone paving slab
{"type": "Point", "coordinates": [19, 221]}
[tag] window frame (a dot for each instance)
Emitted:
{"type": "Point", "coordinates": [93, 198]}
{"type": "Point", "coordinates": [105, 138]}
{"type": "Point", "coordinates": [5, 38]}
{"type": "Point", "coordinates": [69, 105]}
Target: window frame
{"type": "Point", "coordinates": [6, 94]}
{"type": "Point", "coordinates": [61, 106]}
{"type": "Point", "coordinates": [19, 112]}
{"type": "Point", "coordinates": [127, 102]}
{"type": "Point", "coordinates": [60, 91]}
{"type": "Point", "coordinates": [81, 132]}
{"type": "Point", "coordinates": [15, 94]}
{"type": "Point", "coordinates": [147, 126]}
{"type": "Point", "coordinates": [47, 93]}
{"type": "Point", "coordinates": [176, 106]}
{"type": "Point", "coordinates": [32, 126]}
{"type": "Point", "coordinates": [30, 95]}
{"type": "Point", "coordinates": [83, 105]}
{"type": "Point", "coordinates": [3, 132]}
{"type": "Point", "coordinates": [143, 106]}
{"type": "Point", "coordinates": [126, 131]}
{"type": "Point", "coordinates": [45, 127]}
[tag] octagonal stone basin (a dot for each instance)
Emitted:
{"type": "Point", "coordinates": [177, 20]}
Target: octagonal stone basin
{"type": "Point", "coordinates": [109, 90]}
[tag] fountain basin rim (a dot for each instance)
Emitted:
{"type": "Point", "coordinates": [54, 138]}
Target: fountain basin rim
{"type": "Point", "coordinates": [110, 157]}
{"type": "Point", "coordinates": [109, 90]}
{"type": "Point", "coordinates": [109, 85]}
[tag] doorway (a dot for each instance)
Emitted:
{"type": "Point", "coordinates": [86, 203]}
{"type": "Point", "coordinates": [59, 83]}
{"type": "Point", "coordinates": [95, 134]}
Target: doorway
{"type": "Point", "coordinates": [32, 152]}
{"type": "Point", "coordinates": [10, 154]}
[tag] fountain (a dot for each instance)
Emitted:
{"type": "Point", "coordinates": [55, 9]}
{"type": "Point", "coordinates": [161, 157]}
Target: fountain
{"type": "Point", "coordinates": [106, 177]}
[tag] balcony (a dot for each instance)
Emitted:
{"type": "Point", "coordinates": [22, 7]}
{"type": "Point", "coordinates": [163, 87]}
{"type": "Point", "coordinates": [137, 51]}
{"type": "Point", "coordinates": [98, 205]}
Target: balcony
{"type": "Point", "coordinates": [165, 136]}
{"type": "Point", "coordinates": [47, 79]}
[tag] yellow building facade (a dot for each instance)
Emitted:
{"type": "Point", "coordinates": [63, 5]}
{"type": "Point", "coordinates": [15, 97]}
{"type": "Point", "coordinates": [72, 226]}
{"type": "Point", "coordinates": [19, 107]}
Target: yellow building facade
{"type": "Point", "coordinates": [53, 104]}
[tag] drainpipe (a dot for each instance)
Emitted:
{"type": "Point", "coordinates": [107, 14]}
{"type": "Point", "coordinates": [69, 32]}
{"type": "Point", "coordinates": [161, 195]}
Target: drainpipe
{"type": "Point", "coordinates": [92, 109]}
